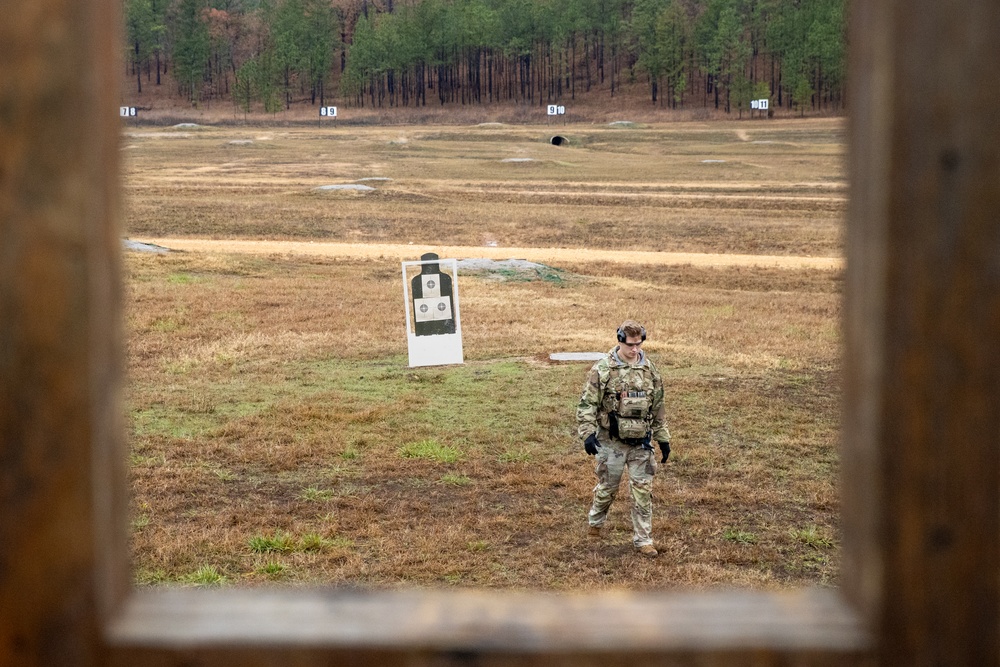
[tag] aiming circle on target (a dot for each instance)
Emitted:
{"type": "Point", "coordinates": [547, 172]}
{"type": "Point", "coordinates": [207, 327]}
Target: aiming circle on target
{"type": "Point", "coordinates": [430, 285]}
{"type": "Point", "coordinates": [437, 308]}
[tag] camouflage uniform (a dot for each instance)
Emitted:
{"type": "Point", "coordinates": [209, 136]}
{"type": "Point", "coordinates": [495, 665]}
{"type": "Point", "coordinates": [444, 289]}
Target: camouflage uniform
{"type": "Point", "coordinates": [608, 378]}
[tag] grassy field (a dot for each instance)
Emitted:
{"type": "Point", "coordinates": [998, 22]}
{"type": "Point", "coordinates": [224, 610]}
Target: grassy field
{"type": "Point", "coordinates": [278, 436]}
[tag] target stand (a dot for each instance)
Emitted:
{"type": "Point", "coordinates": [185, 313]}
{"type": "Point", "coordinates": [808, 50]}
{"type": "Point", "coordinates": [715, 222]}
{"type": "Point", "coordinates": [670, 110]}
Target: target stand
{"type": "Point", "coordinates": [433, 324]}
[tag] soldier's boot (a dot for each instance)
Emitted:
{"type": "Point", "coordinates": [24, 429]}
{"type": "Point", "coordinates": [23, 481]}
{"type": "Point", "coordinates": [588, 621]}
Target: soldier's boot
{"type": "Point", "coordinates": [647, 551]}
{"type": "Point", "coordinates": [594, 531]}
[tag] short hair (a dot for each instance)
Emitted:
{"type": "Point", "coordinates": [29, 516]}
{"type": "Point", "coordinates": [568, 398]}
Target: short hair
{"type": "Point", "coordinates": [631, 328]}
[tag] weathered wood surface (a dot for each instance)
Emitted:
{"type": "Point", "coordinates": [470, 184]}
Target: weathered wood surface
{"type": "Point", "coordinates": [58, 322]}
{"type": "Point", "coordinates": [922, 431]}
{"type": "Point", "coordinates": [428, 627]}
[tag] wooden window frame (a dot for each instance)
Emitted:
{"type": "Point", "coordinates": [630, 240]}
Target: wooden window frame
{"type": "Point", "coordinates": [921, 501]}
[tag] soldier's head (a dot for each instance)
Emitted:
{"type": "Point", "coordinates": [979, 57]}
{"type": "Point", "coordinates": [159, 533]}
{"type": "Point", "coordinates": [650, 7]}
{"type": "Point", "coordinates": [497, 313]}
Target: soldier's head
{"type": "Point", "coordinates": [631, 335]}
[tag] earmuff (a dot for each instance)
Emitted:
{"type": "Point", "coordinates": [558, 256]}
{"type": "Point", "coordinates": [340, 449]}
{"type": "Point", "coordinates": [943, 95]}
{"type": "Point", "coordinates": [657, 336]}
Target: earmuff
{"type": "Point", "coordinates": [622, 336]}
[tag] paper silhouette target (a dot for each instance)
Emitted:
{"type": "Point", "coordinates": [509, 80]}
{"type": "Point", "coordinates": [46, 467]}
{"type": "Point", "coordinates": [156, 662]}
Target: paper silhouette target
{"type": "Point", "coordinates": [433, 324]}
{"type": "Point", "coordinates": [432, 294]}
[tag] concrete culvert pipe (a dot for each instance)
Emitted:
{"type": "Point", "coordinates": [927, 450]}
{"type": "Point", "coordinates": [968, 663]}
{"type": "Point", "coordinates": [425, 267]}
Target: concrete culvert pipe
{"type": "Point", "coordinates": [558, 141]}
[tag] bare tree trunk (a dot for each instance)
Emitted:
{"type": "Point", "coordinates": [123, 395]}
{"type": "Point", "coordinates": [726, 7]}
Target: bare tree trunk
{"type": "Point", "coordinates": [572, 69]}
{"type": "Point", "coordinates": [138, 75]}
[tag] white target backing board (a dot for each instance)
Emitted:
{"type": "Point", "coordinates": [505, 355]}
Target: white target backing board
{"type": "Point", "coordinates": [435, 310]}
{"type": "Point", "coordinates": [328, 112]}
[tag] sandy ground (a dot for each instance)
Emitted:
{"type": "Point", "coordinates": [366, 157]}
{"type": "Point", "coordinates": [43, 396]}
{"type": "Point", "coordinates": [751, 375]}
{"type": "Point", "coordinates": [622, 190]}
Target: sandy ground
{"type": "Point", "coordinates": [543, 255]}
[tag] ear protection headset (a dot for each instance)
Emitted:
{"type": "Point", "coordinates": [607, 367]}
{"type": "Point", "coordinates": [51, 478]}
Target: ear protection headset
{"type": "Point", "coordinates": [622, 336]}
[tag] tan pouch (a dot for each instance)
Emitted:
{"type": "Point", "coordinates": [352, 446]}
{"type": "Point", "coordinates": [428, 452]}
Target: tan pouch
{"type": "Point", "coordinates": [633, 407]}
{"type": "Point", "coordinates": [632, 428]}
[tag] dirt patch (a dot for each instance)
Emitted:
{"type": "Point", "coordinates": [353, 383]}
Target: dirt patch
{"type": "Point", "coordinates": [544, 255]}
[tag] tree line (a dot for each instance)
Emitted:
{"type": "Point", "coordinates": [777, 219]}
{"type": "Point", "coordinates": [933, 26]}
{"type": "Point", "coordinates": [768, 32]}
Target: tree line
{"type": "Point", "coordinates": [266, 53]}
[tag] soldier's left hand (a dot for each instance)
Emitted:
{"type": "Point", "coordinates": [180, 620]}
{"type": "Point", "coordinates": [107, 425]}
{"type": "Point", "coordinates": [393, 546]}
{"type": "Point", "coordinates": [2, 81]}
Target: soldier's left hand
{"type": "Point", "coordinates": [665, 450]}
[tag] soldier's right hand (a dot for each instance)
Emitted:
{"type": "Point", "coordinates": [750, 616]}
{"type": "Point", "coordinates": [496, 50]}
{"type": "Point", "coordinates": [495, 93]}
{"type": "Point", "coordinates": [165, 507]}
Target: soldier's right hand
{"type": "Point", "coordinates": [591, 445]}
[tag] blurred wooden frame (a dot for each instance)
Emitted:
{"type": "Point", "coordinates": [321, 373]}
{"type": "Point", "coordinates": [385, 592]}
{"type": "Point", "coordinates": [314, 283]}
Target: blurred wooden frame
{"type": "Point", "coordinates": [922, 421]}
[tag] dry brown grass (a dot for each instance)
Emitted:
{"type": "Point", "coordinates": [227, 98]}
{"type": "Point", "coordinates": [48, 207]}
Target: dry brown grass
{"type": "Point", "coordinates": [779, 190]}
{"type": "Point", "coordinates": [269, 395]}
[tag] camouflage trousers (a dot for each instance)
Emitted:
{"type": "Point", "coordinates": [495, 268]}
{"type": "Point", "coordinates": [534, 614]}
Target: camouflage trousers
{"type": "Point", "coordinates": [613, 458]}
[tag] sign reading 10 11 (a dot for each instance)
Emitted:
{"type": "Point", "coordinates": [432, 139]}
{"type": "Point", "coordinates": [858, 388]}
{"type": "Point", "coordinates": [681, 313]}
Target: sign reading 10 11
{"type": "Point", "coordinates": [329, 112]}
{"type": "Point", "coordinates": [759, 104]}
{"type": "Point", "coordinates": [555, 110]}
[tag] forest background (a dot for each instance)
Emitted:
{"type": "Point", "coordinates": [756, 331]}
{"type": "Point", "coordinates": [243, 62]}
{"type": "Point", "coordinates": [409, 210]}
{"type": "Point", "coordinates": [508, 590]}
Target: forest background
{"type": "Point", "coordinates": [275, 55]}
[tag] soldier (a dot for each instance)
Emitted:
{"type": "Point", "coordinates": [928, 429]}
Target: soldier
{"type": "Point", "coordinates": [620, 413]}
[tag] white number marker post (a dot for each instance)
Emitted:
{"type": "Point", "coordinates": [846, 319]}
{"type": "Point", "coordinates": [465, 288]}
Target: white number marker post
{"type": "Point", "coordinates": [127, 112]}
{"type": "Point", "coordinates": [327, 112]}
{"type": "Point", "coordinates": [760, 105]}
{"type": "Point", "coordinates": [433, 324]}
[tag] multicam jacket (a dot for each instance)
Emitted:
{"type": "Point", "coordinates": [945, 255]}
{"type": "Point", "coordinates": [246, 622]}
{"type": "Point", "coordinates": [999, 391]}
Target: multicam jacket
{"type": "Point", "coordinates": [610, 379]}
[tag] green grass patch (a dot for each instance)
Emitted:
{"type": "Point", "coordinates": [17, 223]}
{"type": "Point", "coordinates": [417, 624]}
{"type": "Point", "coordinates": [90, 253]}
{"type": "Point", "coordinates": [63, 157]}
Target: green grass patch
{"type": "Point", "coordinates": [272, 568]}
{"type": "Point", "coordinates": [739, 536]}
{"type": "Point", "coordinates": [206, 575]}
{"type": "Point", "coordinates": [138, 460]}
{"type": "Point", "coordinates": [455, 480]}
{"type": "Point", "coordinates": [431, 450]}
{"type": "Point", "coordinates": [279, 542]}
{"type": "Point", "coordinates": [314, 494]}
{"type": "Point", "coordinates": [219, 403]}
{"type": "Point", "coordinates": [814, 561]}
{"type": "Point", "coordinates": [517, 455]}
{"type": "Point", "coordinates": [166, 324]}
{"type": "Point", "coordinates": [812, 536]}
{"type": "Point", "coordinates": [545, 274]}
{"type": "Point", "coordinates": [165, 421]}
{"type": "Point", "coordinates": [313, 542]}
{"type": "Point", "coordinates": [182, 278]}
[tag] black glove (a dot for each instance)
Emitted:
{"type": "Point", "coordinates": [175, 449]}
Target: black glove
{"type": "Point", "coordinates": [665, 449]}
{"type": "Point", "coordinates": [591, 444]}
